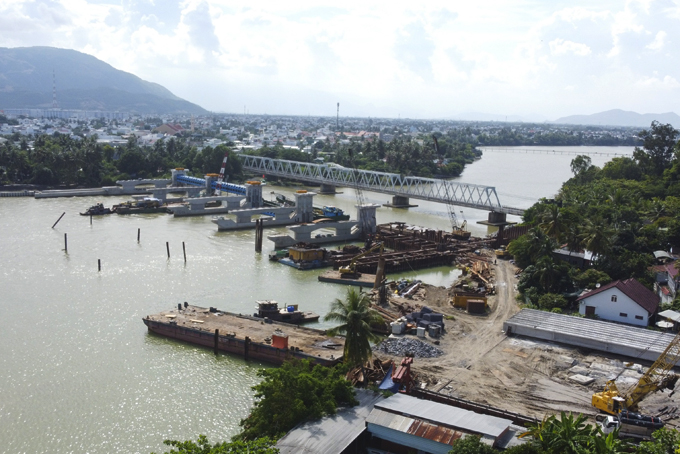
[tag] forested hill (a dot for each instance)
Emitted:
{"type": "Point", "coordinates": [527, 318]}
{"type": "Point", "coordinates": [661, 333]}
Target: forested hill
{"type": "Point", "coordinates": [82, 82]}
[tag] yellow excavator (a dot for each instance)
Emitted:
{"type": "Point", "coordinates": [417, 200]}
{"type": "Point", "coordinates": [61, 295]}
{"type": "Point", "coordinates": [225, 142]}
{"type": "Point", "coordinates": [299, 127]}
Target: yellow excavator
{"type": "Point", "coordinates": [658, 376]}
{"type": "Point", "coordinates": [350, 271]}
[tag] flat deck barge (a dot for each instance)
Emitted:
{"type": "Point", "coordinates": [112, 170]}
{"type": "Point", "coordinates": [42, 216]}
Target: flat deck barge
{"type": "Point", "coordinates": [253, 338]}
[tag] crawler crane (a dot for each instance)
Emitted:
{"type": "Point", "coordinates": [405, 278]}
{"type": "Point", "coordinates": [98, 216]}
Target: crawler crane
{"type": "Point", "coordinates": [658, 376]}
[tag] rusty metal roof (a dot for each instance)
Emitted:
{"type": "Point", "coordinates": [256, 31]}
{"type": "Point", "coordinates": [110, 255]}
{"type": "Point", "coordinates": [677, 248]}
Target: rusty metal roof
{"type": "Point", "coordinates": [414, 426]}
{"type": "Point", "coordinates": [444, 416]}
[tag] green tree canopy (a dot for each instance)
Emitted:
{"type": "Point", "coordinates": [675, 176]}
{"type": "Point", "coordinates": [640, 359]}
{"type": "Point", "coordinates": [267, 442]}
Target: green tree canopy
{"type": "Point", "coordinates": [202, 446]}
{"type": "Point", "coordinates": [295, 392]}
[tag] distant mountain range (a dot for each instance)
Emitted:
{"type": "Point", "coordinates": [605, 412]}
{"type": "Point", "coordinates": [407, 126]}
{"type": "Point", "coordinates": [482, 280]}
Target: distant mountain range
{"type": "Point", "coordinates": [618, 117]}
{"type": "Point", "coordinates": [83, 82]}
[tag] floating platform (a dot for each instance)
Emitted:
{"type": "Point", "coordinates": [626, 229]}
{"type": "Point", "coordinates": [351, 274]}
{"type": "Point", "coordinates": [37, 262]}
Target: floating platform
{"type": "Point", "coordinates": [247, 336]}
{"type": "Point", "coordinates": [625, 340]}
{"type": "Point", "coordinates": [333, 276]}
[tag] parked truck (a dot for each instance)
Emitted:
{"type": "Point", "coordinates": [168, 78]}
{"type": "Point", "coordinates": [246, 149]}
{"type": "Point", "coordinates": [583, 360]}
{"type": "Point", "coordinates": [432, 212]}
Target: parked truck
{"type": "Point", "coordinates": [630, 425]}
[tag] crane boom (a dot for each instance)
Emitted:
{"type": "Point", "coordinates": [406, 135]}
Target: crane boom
{"type": "Point", "coordinates": [222, 169]}
{"type": "Point", "coordinates": [658, 376]}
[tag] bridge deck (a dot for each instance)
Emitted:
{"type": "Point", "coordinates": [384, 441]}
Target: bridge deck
{"type": "Point", "coordinates": [435, 190]}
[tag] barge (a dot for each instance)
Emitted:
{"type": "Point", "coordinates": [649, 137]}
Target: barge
{"type": "Point", "coordinates": [263, 340]}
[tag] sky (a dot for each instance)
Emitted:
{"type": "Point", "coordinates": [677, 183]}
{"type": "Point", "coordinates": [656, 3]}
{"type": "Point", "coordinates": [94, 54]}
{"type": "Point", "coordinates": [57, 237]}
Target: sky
{"type": "Point", "coordinates": [525, 59]}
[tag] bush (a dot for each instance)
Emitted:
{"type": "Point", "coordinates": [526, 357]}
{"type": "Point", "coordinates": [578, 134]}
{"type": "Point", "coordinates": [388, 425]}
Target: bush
{"type": "Point", "coordinates": [551, 301]}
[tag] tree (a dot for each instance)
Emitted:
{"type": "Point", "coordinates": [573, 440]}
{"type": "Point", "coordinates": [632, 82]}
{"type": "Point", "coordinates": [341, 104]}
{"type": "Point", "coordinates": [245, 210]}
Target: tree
{"type": "Point", "coordinates": [356, 317]}
{"type": "Point", "coordinates": [665, 441]}
{"type": "Point", "coordinates": [202, 446]}
{"type": "Point", "coordinates": [567, 435]}
{"type": "Point", "coordinates": [471, 444]}
{"type": "Point", "coordinates": [658, 145]}
{"type": "Point", "coordinates": [295, 392]}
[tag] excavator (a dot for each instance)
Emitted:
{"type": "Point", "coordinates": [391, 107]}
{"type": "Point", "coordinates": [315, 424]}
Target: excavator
{"type": "Point", "coordinates": [658, 376]}
{"type": "Point", "coordinates": [350, 271]}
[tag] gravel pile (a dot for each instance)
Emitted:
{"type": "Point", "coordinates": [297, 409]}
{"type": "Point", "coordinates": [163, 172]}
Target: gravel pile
{"type": "Point", "coordinates": [403, 345]}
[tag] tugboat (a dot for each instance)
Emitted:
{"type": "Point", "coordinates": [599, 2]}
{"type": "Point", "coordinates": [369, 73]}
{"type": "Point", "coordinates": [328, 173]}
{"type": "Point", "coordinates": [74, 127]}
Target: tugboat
{"type": "Point", "coordinates": [270, 310]}
{"type": "Point", "coordinates": [96, 210]}
{"type": "Point", "coordinates": [146, 205]}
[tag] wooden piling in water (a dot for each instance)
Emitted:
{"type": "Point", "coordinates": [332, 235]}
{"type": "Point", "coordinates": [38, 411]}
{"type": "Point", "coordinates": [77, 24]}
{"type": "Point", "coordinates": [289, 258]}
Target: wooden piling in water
{"type": "Point", "coordinates": [167, 246]}
{"type": "Point", "coordinates": [138, 233]}
{"type": "Point", "coordinates": [217, 337]}
{"type": "Point", "coordinates": [99, 264]}
{"type": "Point", "coordinates": [259, 229]}
{"type": "Point", "coordinates": [184, 250]}
{"type": "Point", "coordinates": [90, 219]}
{"type": "Point", "coordinates": [62, 215]}
{"type": "Point", "coordinates": [65, 243]}
{"type": "Point", "coordinates": [246, 347]}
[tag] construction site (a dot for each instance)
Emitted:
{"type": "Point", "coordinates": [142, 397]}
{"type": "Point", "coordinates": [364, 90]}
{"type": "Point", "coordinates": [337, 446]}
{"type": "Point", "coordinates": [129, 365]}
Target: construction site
{"type": "Point", "coordinates": [491, 352]}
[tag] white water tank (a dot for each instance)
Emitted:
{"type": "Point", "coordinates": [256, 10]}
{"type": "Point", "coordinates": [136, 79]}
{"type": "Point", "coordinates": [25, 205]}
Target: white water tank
{"type": "Point", "coordinates": [421, 331]}
{"type": "Point", "coordinates": [397, 327]}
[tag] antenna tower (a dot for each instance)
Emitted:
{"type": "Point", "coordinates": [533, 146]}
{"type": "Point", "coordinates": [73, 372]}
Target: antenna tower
{"type": "Point", "coordinates": [54, 90]}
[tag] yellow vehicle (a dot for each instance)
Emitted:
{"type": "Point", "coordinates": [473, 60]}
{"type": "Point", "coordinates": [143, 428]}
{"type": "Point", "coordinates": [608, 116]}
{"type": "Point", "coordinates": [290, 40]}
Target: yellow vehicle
{"type": "Point", "coordinates": [350, 271]}
{"type": "Point", "coordinates": [502, 253]}
{"type": "Point", "coordinates": [658, 376]}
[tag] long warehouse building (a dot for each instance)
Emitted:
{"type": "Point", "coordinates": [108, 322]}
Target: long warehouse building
{"type": "Point", "coordinates": [618, 339]}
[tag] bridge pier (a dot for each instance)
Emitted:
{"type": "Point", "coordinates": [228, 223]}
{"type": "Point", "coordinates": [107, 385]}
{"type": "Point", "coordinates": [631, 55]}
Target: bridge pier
{"type": "Point", "coordinates": [304, 208]}
{"type": "Point", "coordinates": [327, 189]}
{"type": "Point", "coordinates": [496, 218]}
{"type": "Point", "coordinates": [399, 201]}
{"type": "Point", "coordinates": [366, 218]}
{"type": "Point", "coordinates": [254, 194]}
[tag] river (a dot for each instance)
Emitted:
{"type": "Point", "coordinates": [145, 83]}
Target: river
{"type": "Point", "coordinates": [79, 373]}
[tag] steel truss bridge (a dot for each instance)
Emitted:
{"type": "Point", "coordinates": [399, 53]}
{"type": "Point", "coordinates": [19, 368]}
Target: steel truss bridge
{"type": "Point", "coordinates": [333, 175]}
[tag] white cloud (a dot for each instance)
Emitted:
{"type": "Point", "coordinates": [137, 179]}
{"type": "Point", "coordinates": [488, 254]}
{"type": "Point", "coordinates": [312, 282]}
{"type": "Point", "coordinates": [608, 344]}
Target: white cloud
{"type": "Point", "coordinates": [424, 60]}
{"type": "Point", "coordinates": [562, 47]}
{"type": "Point", "coordinates": [658, 42]}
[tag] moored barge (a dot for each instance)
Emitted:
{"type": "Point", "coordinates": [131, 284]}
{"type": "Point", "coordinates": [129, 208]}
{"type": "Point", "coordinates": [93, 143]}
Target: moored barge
{"type": "Point", "coordinates": [263, 340]}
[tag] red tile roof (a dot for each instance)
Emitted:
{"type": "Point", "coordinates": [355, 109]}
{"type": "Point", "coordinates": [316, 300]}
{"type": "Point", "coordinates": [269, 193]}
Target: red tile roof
{"type": "Point", "coordinates": [644, 297]}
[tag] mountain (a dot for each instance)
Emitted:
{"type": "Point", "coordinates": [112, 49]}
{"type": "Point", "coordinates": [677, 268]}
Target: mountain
{"type": "Point", "coordinates": [83, 82]}
{"type": "Point", "coordinates": [618, 117]}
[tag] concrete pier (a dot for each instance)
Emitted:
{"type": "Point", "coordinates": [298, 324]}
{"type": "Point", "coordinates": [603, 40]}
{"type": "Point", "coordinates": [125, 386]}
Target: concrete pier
{"type": "Point", "coordinates": [344, 231]}
{"type": "Point", "coordinates": [327, 189]}
{"type": "Point", "coordinates": [399, 201]}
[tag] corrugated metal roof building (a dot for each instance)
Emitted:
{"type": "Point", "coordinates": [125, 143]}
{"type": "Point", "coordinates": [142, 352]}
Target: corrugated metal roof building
{"type": "Point", "coordinates": [430, 426]}
{"type": "Point", "coordinates": [625, 340]}
{"type": "Point", "coordinates": [331, 435]}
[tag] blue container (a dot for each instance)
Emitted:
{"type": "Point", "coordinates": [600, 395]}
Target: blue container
{"type": "Point", "coordinates": [291, 308]}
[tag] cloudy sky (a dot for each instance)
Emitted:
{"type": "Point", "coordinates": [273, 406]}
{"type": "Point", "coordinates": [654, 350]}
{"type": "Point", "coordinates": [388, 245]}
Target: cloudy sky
{"type": "Point", "coordinates": [433, 59]}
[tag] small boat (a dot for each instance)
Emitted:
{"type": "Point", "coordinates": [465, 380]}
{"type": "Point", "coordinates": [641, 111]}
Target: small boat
{"type": "Point", "coordinates": [330, 212]}
{"type": "Point", "coordinates": [270, 310]}
{"type": "Point", "coordinates": [97, 210]}
{"type": "Point", "coordinates": [146, 205]}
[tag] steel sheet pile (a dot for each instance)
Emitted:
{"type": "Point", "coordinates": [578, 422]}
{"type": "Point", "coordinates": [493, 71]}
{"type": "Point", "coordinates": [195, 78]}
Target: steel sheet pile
{"type": "Point", "coordinates": [403, 346]}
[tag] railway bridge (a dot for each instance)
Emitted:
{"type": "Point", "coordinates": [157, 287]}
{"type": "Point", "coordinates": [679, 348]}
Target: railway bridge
{"type": "Point", "coordinates": [401, 188]}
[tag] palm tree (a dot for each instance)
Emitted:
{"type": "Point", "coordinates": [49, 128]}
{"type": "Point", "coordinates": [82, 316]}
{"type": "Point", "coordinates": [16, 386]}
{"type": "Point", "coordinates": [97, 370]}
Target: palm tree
{"type": "Point", "coordinates": [356, 317]}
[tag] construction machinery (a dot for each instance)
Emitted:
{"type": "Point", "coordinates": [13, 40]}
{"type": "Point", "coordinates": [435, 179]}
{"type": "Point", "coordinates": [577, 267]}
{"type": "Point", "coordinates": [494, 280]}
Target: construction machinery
{"type": "Point", "coordinates": [658, 376]}
{"type": "Point", "coordinates": [350, 271]}
{"type": "Point", "coordinates": [457, 231]}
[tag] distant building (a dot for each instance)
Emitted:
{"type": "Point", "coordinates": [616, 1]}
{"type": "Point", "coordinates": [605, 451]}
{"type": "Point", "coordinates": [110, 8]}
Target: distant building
{"type": "Point", "coordinates": [170, 129]}
{"type": "Point", "coordinates": [625, 301]}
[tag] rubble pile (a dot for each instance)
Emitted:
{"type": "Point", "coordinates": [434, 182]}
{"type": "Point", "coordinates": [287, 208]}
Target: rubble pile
{"type": "Point", "coordinates": [405, 346]}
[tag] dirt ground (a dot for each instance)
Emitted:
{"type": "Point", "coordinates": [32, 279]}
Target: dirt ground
{"type": "Point", "coordinates": [530, 377]}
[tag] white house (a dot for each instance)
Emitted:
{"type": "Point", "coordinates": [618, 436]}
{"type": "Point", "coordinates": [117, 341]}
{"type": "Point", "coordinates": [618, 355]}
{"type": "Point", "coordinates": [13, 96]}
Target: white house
{"type": "Point", "coordinates": [625, 301]}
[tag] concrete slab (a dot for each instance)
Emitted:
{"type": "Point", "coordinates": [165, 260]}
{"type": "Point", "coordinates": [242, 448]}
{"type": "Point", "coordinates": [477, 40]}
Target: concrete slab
{"type": "Point", "coordinates": [581, 379]}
